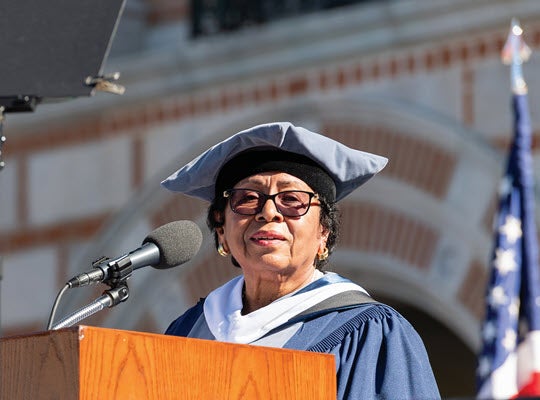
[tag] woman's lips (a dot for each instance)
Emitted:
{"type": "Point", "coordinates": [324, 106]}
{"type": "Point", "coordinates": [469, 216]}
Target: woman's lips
{"type": "Point", "coordinates": [267, 237]}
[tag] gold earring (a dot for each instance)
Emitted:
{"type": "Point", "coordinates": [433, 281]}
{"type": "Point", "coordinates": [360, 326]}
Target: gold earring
{"type": "Point", "coordinates": [324, 255]}
{"type": "Point", "coordinates": [221, 250]}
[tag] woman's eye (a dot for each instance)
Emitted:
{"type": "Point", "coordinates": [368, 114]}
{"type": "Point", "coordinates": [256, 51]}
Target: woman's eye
{"type": "Point", "coordinates": [249, 198]}
{"type": "Point", "coordinates": [290, 199]}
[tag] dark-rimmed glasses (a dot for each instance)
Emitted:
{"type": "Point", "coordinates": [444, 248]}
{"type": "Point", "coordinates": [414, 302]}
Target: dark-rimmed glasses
{"type": "Point", "coordinates": [289, 203]}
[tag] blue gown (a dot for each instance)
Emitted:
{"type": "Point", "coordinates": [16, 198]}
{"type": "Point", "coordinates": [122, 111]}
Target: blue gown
{"type": "Point", "coordinates": [378, 353]}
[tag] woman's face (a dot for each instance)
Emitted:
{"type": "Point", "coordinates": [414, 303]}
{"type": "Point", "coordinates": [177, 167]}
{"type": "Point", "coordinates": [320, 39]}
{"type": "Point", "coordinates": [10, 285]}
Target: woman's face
{"type": "Point", "coordinates": [269, 241]}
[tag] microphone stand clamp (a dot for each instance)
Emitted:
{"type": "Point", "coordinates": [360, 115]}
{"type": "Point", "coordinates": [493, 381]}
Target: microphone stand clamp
{"type": "Point", "coordinates": [109, 298]}
{"type": "Point", "coordinates": [120, 271]}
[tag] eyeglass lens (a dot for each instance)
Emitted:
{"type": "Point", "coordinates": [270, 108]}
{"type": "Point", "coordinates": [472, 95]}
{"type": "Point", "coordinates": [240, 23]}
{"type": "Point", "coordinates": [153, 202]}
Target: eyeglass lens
{"type": "Point", "coordinates": [290, 203]}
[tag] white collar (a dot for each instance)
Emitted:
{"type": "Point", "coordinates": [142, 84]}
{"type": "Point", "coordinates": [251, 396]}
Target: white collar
{"type": "Point", "coordinates": [223, 309]}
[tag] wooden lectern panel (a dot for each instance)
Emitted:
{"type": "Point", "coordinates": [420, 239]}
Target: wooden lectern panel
{"type": "Point", "coordinates": [97, 363]}
{"type": "Point", "coordinates": [42, 366]}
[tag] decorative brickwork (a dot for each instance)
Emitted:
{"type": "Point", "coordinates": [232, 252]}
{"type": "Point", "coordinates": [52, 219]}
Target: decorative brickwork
{"type": "Point", "coordinates": [137, 176]}
{"type": "Point", "coordinates": [412, 160]}
{"type": "Point", "coordinates": [297, 85]}
{"type": "Point", "coordinates": [22, 199]}
{"type": "Point", "coordinates": [368, 227]}
{"type": "Point", "coordinates": [468, 96]}
{"type": "Point", "coordinates": [221, 99]}
{"type": "Point", "coordinates": [472, 291]}
{"type": "Point", "coordinates": [72, 231]}
{"type": "Point", "coordinates": [490, 212]}
{"type": "Point", "coordinates": [504, 141]}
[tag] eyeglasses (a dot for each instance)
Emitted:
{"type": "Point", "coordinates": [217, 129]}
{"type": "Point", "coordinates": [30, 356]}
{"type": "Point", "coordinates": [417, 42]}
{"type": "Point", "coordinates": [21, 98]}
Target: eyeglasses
{"type": "Point", "coordinates": [289, 203]}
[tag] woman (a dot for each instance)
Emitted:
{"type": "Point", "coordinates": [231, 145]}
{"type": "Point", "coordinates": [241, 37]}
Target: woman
{"type": "Point", "coordinates": [273, 191]}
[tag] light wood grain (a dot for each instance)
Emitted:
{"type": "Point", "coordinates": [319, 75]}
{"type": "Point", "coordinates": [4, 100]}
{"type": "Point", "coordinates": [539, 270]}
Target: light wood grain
{"type": "Point", "coordinates": [41, 366]}
{"type": "Point", "coordinates": [138, 365]}
{"type": "Point", "coordinates": [97, 363]}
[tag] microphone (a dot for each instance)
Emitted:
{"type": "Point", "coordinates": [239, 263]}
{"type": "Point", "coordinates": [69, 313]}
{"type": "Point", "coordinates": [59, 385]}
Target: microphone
{"type": "Point", "coordinates": [166, 247]}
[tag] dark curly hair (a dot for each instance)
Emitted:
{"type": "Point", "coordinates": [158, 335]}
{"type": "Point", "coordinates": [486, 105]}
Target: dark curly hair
{"type": "Point", "coordinates": [330, 220]}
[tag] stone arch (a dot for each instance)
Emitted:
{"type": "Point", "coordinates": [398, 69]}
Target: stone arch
{"type": "Point", "coordinates": [422, 238]}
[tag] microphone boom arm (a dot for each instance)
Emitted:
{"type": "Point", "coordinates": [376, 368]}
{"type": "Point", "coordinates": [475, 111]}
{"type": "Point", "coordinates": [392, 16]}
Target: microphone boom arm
{"type": "Point", "coordinates": [109, 298]}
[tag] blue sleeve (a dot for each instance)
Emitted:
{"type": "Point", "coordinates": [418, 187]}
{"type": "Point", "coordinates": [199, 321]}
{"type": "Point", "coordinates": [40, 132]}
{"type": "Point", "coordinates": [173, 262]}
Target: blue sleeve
{"type": "Point", "coordinates": [183, 324]}
{"type": "Point", "coordinates": [385, 358]}
{"type": "Point", "coordinates": [379, 355]}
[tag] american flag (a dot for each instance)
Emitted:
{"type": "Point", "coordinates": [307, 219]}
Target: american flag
{"type": "Point", "coordinates": [509, 361]}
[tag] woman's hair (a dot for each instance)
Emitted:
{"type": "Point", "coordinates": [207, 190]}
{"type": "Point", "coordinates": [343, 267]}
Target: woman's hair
{"type": "Point", "coordinates": [330, 220]}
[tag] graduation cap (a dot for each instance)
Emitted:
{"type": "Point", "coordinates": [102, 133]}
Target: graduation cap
{"type": "Point", "coordinates": [348, 168]}
{"type": "Point", "coordinates": [54, 49]}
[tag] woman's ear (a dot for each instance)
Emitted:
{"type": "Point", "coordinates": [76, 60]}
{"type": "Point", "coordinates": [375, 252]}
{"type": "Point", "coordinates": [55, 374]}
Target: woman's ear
{"type": "Point", "coordinates": [220, 232]}
{"type": "Point", "coordinates": [324, 234]}
{"type": "Point", "coordinates": [219, 217]}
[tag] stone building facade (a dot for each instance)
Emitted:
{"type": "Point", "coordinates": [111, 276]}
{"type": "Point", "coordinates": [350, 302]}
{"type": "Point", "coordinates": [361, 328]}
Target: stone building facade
{"type": "Point", "coordinates": [420, 82]}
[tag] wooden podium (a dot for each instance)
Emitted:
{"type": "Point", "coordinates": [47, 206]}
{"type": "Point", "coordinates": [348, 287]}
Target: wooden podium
{"type": "Point", "coordinates": [97, 363]}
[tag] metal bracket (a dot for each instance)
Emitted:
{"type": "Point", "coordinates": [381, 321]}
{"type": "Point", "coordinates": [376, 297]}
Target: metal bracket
{"type": "Point", "coordinates": [117, 294]}
{"type": "Point", "coordinates": [105, 83]}
{"type": "Point", "coordinates": [99, 261]}
{"type": "Point", "coordinates": [121, 271]}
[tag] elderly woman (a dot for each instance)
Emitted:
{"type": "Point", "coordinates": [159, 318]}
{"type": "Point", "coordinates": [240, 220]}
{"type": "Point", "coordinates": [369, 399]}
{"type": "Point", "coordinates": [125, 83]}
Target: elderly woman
{"type": "Point", "coordinates": [273, 191]}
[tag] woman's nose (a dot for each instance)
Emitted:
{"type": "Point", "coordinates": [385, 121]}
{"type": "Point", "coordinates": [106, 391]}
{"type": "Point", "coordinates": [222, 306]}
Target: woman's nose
{"type": "Point", "coordinates": [269, 212]}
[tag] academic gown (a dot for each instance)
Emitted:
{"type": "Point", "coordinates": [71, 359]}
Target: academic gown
{"type": "Point", "coordinates": [378, 353]}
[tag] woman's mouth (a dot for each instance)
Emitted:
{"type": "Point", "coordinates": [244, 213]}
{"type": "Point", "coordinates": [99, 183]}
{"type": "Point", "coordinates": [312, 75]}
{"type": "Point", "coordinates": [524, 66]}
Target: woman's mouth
{"type": "Point", "coordinates": [266, 237]}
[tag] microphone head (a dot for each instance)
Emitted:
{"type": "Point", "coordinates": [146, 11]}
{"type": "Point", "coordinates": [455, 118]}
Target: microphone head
{"type": "Point", "coordinates": [178, 242]}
